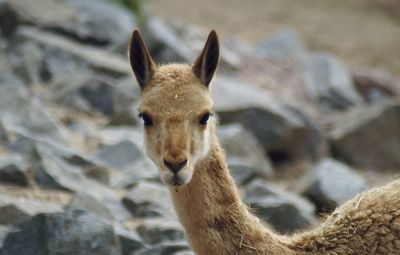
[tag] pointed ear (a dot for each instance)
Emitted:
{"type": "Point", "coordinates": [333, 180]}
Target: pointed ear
{"type": "Point", "coordinates": [206, 64]}
{"type": "Point", "coordinates": [142, 64]}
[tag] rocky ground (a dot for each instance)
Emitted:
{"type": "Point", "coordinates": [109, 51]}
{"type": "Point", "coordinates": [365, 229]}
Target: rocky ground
{"type": "Point", "coordinates": [303, 133]}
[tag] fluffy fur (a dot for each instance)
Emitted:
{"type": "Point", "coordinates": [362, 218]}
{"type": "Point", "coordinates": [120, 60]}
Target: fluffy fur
{"type": "Point", "coordinates": [206, 200]}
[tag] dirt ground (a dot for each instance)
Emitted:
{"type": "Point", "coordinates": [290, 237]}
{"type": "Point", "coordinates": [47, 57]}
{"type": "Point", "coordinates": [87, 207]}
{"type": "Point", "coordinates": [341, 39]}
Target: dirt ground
{"type": "Point", "coordinates": [359, 32]}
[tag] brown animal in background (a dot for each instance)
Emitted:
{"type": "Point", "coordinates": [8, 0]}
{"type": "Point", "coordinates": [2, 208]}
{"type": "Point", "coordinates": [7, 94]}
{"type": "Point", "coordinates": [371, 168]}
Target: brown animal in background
{"type": "Point", "coordinates": [180, 138]}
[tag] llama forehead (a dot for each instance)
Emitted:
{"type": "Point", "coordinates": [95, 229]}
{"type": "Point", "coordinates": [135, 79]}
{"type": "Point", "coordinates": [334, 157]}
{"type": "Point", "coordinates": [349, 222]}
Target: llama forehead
{"type": "Point", "coordinates": [176, 93]}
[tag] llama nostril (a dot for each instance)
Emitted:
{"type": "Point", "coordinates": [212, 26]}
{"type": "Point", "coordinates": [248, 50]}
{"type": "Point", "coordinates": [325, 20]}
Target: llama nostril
{"type": "Point", "coordinates": [175, 166]}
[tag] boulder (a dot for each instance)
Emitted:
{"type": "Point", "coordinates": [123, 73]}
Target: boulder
{"type": "Point", "coordinates": [149, 200]}
{"type": "Point", "coordinates": [119, 156]}
{"type": "Point", "coordinates": [369, 137]}
{"type": "Point", "coordinates": [328, 83]}
{"type": "Point", "coordinates": [167, 248]}
{"type": "Point", "coordinates": [22, 113]}
{"type": "Point", "coordinates": [330, 183]}
{"type": "Point", "coordinates": [159, 230]}
{"type": "Point", "coordinates": [62, 233]}
{"type": "Point", "coordinates": [91, 205]}
{"type": "Point", "coordinates": [16, 210]}
{"type": "Point", "coordinates": [282, 131]}
{"type": "Point", "coordinates": [282, 45]}
{"type": "Point", "coordinates": [130, 241]}
{"type": "Point", "coordinates": [13, 170]}
{"type": "Point", "coordinates": [8, 19]}
{"type": "Point", "coordinates": [242, 149]}
{"type": "Point", "coordinates": [285, 212]}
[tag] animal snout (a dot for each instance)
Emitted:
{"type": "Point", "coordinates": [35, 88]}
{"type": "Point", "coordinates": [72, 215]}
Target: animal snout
{"type": "Point", "coordinates": [175, 164]}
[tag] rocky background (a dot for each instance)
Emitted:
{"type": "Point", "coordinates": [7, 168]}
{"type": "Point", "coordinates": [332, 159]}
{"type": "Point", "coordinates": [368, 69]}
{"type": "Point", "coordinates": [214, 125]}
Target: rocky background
{"type": "Point", "coordinates": [303, 132]}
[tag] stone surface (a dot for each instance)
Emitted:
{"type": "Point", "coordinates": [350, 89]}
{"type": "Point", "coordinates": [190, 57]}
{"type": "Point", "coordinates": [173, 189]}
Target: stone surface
{"type": "Point", "coordinates": [119, 156]}
{"type": "Point", "coordinates": [13, 170]}
{"type": "Point", "coordinates": [284, 44]}
{"type": "Point", "coordinates": [369, 137]}
{"type": "Point", "coordinates": [277, 127]}
{"type": "Point", "coordinates": [167, 248]}
{"type": "Point", "coordinates": [149, 200]}
{"type": "Point", "coordinates": [8, 19]}
{"type": "Point", "coordinates": [330, 183]}
{"type": "Point", "coordinates": [130, 241]}
{"type": "Point", "coordinates": [242, 149]}
{"type": "Point", "coordinates": [328, 83]}
{"type": "Point", "coordinates": [16, 210]}
{"type": "Point", "coordinates": [155, 231]}
{"type": "Point", "coordinates": [62, 233]}
{"type": "Point", "coordinates": [284, 211]}
{"type": "Point", "coordinates": [89, 204]}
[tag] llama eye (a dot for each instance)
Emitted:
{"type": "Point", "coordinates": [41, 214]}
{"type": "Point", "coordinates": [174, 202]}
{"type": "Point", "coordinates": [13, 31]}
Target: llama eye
{"type": "Point", "coordinates": [204, 119]}
{"type": "Point", "coordinates": [147, 121]}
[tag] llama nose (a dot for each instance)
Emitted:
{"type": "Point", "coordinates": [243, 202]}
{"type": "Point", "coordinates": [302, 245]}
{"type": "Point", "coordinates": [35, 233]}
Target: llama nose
{"type": "Point", "coordinates": [175, 165]}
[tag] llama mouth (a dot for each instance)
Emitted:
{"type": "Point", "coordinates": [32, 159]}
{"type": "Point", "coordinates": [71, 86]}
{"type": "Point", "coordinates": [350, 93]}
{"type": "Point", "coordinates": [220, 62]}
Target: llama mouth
{"type": "Point", "coordinates": [176, 181]}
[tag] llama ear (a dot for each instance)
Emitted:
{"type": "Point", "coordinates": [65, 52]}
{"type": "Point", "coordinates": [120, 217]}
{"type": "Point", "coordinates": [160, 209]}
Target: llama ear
{"type": "Point", "coordinates": [142, 64]}
{"type": "Point", "coordinates": [206, 64]}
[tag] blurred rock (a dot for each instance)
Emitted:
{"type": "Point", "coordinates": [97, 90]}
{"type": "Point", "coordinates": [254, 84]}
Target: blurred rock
{"type": "Point", "coordinates": [16, 210]}
{"type": "Point", "coordinates": [4, 231]}
{"type": "Point", "coordinates": [130, 241]}
{"type": "Point", "coordinates": [52, 172]}
{"type": "Point", "coordinates": [61, 54]}
{"type": "Point", "coordinates": [96, 94]}
{"type": "Point", "coordinates": [119, 156]}
{"type": "Point", "coordinates": [328, 83]}
{"type": "Point", "coordinates": [166, 248]}
{"type": "Point", "coordinates": [330, 184]}
{"type": "Point", "coordinates": [13, 170]}
{"type": "Point", "coordinates": [89, 204]}
{"type": "Point", "coordinates": [62, 233]}
{"type": "Point", "coordinates": [8, 19]}
{"type": "Point", "coordinates": [242, 174]}
{"type": "Point", "coordinates": [21, 113]}
{"type": "Point", "coordinates": [242, 149]}
{"type": "Point", "coordinates": [149, 200]}
{"type": "Point", "coordinates": [284, 211]}
{"type": "Point", "coordinates": [155, 231]}
{"type": "Point", "coordinates": [369, 137]}
{"type": "Point", "coordinates": [282, 131]}
{"type": "Point", "coordinates": [375, 86]}
{"type": "Point", "coordinates": [3, 134]}
{"type": "Point", "coordinates": [284, 44]}
{"type": "Point", "coordinates": [89, 21]}
{"type": "Point", "coordinates": [164, 43]}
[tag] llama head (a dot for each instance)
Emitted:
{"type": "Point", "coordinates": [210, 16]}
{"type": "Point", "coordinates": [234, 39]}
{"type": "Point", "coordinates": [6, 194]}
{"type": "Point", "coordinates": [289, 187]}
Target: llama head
{"type": "Point", "coordinates": [176, 108]}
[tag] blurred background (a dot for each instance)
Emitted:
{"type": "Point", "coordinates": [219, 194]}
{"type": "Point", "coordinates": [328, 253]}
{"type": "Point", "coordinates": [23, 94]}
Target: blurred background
{"type": "Point", "coordinates": [307, 94]}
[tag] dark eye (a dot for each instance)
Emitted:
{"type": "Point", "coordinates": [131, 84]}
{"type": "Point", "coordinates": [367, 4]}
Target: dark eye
{"type": "Point", "coordinates": [204, 118]}
{"type": "Point", "coordinates": [147, 121]}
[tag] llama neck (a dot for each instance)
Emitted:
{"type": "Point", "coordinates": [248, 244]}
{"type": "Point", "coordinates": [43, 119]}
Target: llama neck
{"type": "Point", "coordinates": [214, 218]}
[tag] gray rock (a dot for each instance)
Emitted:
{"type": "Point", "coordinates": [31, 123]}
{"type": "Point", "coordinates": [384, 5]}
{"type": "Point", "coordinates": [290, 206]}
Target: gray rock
{"type": "Point", "coordinates": [52, 172]}
{"type": "Point", "coordinates": [184, 253]}
{"type": "Point", "coordinates": [242, 174]}
{"type": "Point", "coordinates": [159, 230]}
{"type": "Point", "coordinates": [330, 183]}
{"type": "Point", "coordinates": [119, 156]}
{"type": "Point", "coordinates": [164, 42]}
{"type": "Point", "coordinates": [328, 83]}
{"type": "Point", "coordinates": [169, 248]}
{"type": "Point", "coordinates": [62, 233]}
{"type": "Point", "coordinates": [3, 134]}
{"type": "Point", "coordinates": [284, 211]}
{"type": "Point", "coordinates": [243, 149]}
{"type": "Point", "coordinates": [16, 210]}
{"type": "Point", "coordinates": [280, 129]}
{"type": "Point", "coordinates": [4, 231]}
{"type": "Point", "coordinates": [13, 170]}
{"type": "Point", "coordinates": [88, 21]}
{"type": "Point", "coordinates": [369, 137]}
{"type": "Point", "coordinates": [375, 86]}
{"type": "Point", "coordinates": [149, 200]}
{"type": "Point", "coordinates": [58, 50]}
{"type": "Point", "coordinates": [284, 44]}
{"type": "Point", "coordinates": [21, 113]}
{"type": "Point", "coordinates": [91, 205]}
{"type": "Point", "coordinates": [130, 241]}
{"type": "Point", "coordinates": [8, 19]}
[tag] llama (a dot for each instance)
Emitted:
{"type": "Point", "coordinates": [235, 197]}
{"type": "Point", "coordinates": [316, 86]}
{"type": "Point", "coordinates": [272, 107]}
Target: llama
{"type": "Point", "coordinates": [180, 138]}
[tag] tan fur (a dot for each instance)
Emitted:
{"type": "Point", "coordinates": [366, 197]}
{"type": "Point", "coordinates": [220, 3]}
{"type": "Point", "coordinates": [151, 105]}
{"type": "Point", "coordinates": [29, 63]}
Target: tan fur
{"type": "Point", "coordinates": [207, 202]}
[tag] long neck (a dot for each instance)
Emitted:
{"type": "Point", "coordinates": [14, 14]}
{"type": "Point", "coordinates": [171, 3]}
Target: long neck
{"type": "Point", "coordinates": [214, 218]}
